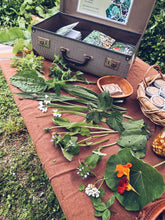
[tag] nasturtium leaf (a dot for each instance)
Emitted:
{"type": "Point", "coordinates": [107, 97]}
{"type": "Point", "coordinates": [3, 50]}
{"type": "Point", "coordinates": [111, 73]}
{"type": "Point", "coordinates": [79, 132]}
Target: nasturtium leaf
{"type": "Point", "coordinates": [145, 179]}
{"type": "Point", "coordinates": [106, 215]}
{"type": "Point", "coordinates": [114, 120]}
{"type": "Point", "coordinates": [29, 81]}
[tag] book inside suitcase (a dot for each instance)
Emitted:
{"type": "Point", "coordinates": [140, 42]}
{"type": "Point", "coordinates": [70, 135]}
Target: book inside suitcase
{"type": "Point", "coordinates": [59, 20]}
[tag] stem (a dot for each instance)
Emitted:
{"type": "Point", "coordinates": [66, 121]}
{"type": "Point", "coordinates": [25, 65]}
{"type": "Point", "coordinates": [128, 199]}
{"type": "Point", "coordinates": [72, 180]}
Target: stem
{"type": "Point", "coordinates": [127, 116]}
{"type": "Point", "coordinates": [102, 181]}
{"type": "Point", "coordinates": [119, 108]}
{"type": "Point", "coordinates": [88, 82]}
{"type": "Point", "coordinates": [89, 138]}
{"type": "Point", "coordinates": [75, 113]}
{"type": "Point", "coordinates": [102, 132]}
{"type": "Point", "coordinates": [99, 128]}
{"type": "Point", "coordinates": [108, 145]}
{"type": "Point", "coordinates": [94, 143]}
{"type": "Point", "coordinates": [74, 108]}
{"type": "Point", "coordinates": [159, 164]}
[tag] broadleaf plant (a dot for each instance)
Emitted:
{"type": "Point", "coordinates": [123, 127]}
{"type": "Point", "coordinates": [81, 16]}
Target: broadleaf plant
{"type": "Point", "coordinates": [142, 179]}
{"type": "Point", "coordinates": [134, 136]}
{"type": "Point", "coordinates": [29, 81]}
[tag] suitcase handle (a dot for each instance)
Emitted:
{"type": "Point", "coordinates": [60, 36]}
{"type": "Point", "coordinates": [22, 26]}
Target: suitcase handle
{"type": "Point", "coordinates": [72, 61]}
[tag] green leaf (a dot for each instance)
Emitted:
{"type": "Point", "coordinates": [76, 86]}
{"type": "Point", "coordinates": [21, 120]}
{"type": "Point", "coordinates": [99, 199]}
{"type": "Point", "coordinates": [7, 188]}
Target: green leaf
{"type": "Point", "coordinates": [28, 81]}
{"type": "Point", "coordinates": [110, 201]}
{"type": "Point", "coordinates": [11, 35]}
{"type": "Point", "coordinates": [92, 160]}
{"type": "Point", "coordinates": [96, 201]}
{"type": "Point", "coordinates": [67, 155]}
{"type": "Point", "coordinates": [81, 187]}
{"type": "Point", "coordinates": [105, 101]}
{"type": "Point", "coordinates": [114, 120]}
{"type": "Point", "coordinates": [142, 179]}
{"type": "Point", "coordinates": [98, 214]}
{"type": "Point", "coordinates": [85, 132]}
{"type": "Point", "coordinates": [81, 92]}
{"type": "Point", "coordinates": [102, 192]}
{"type": "Point", "coordinates": [106, 215]}
{"type": "Point", "coordinates": [136, 141]}
{"type": "Point", "coordinates": [94, 116]}
{"type": "Point", "coordinates": [100, 207]}
{"type": "Point", "coordinates": [134, 137]}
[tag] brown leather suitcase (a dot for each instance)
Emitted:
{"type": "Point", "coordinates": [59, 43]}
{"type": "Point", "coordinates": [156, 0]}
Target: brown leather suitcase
{"type": "Point", "coordinates": [94, 15]}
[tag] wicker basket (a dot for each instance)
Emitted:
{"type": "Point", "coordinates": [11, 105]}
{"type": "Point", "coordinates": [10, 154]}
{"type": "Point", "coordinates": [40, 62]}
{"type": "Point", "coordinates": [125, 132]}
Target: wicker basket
{"type": "Point", "coordinates": [156, 115]}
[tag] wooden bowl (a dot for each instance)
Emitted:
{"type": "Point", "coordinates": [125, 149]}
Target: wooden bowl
{"type": "Point", "coordinates": [124, 85]}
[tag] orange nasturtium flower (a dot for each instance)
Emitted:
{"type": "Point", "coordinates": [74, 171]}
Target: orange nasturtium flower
{"type": "Point", "coordinates": [124, 185]}
{"type": "Point", "coordinates": [123, 170]}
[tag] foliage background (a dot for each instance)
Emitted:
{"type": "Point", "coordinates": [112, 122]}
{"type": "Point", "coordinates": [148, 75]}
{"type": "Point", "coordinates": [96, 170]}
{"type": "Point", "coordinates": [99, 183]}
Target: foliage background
{"type": "Point", "coordinates": [25, 192]}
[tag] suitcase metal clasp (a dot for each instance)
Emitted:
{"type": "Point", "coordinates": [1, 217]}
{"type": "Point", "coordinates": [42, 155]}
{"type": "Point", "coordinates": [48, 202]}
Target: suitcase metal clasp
{"type": "Point", "coordinates": [112, 63]}
{"type": "Point", "coordinates": [43, 42]}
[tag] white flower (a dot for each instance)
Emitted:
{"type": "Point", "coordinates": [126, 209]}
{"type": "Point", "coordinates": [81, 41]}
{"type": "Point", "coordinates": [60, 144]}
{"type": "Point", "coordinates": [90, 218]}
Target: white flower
{"type": "Point", "coordinates": [56, 114]}
{"type": "Point", "coordinates": [46, 102]}
{"type": "Point", "coordinates": [91, 190]}
{"type": "Point", "coordinates": [42, 107]}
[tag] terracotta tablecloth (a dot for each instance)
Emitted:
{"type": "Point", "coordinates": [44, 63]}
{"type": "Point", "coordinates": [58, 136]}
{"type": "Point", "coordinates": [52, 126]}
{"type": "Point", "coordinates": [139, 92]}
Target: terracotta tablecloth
{"type": "Point", "coordinates": [77, 205]}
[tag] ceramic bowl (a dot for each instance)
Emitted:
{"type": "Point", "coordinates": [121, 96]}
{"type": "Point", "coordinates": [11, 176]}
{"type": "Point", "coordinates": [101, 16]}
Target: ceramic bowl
{"type": "Point", "coordinates": [121, 82]}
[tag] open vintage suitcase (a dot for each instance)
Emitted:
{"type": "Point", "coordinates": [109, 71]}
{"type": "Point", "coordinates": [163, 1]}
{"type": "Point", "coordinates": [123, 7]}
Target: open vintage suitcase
{"type": "Point", "coordinates": [94, 15]}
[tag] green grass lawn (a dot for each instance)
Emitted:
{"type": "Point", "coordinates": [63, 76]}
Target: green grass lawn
{"type": "Point", "coordinates": [25, 191]}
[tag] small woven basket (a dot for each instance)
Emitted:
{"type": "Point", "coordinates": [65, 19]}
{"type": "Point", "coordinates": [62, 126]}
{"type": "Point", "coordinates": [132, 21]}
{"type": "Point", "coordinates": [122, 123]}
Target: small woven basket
{"type": "Point", "coordinates": [156, 115]}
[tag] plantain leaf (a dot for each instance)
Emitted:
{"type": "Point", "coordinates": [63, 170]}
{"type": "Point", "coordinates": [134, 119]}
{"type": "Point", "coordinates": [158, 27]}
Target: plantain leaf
{"type": "Point", "coordinates": [142, 179]}
{"type": "Point", "coordinates": [29, 81]}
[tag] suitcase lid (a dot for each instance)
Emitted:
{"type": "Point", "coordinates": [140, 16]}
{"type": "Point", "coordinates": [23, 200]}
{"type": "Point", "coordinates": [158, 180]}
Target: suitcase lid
{"type": "Point", "coordinates": [130, 15]}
